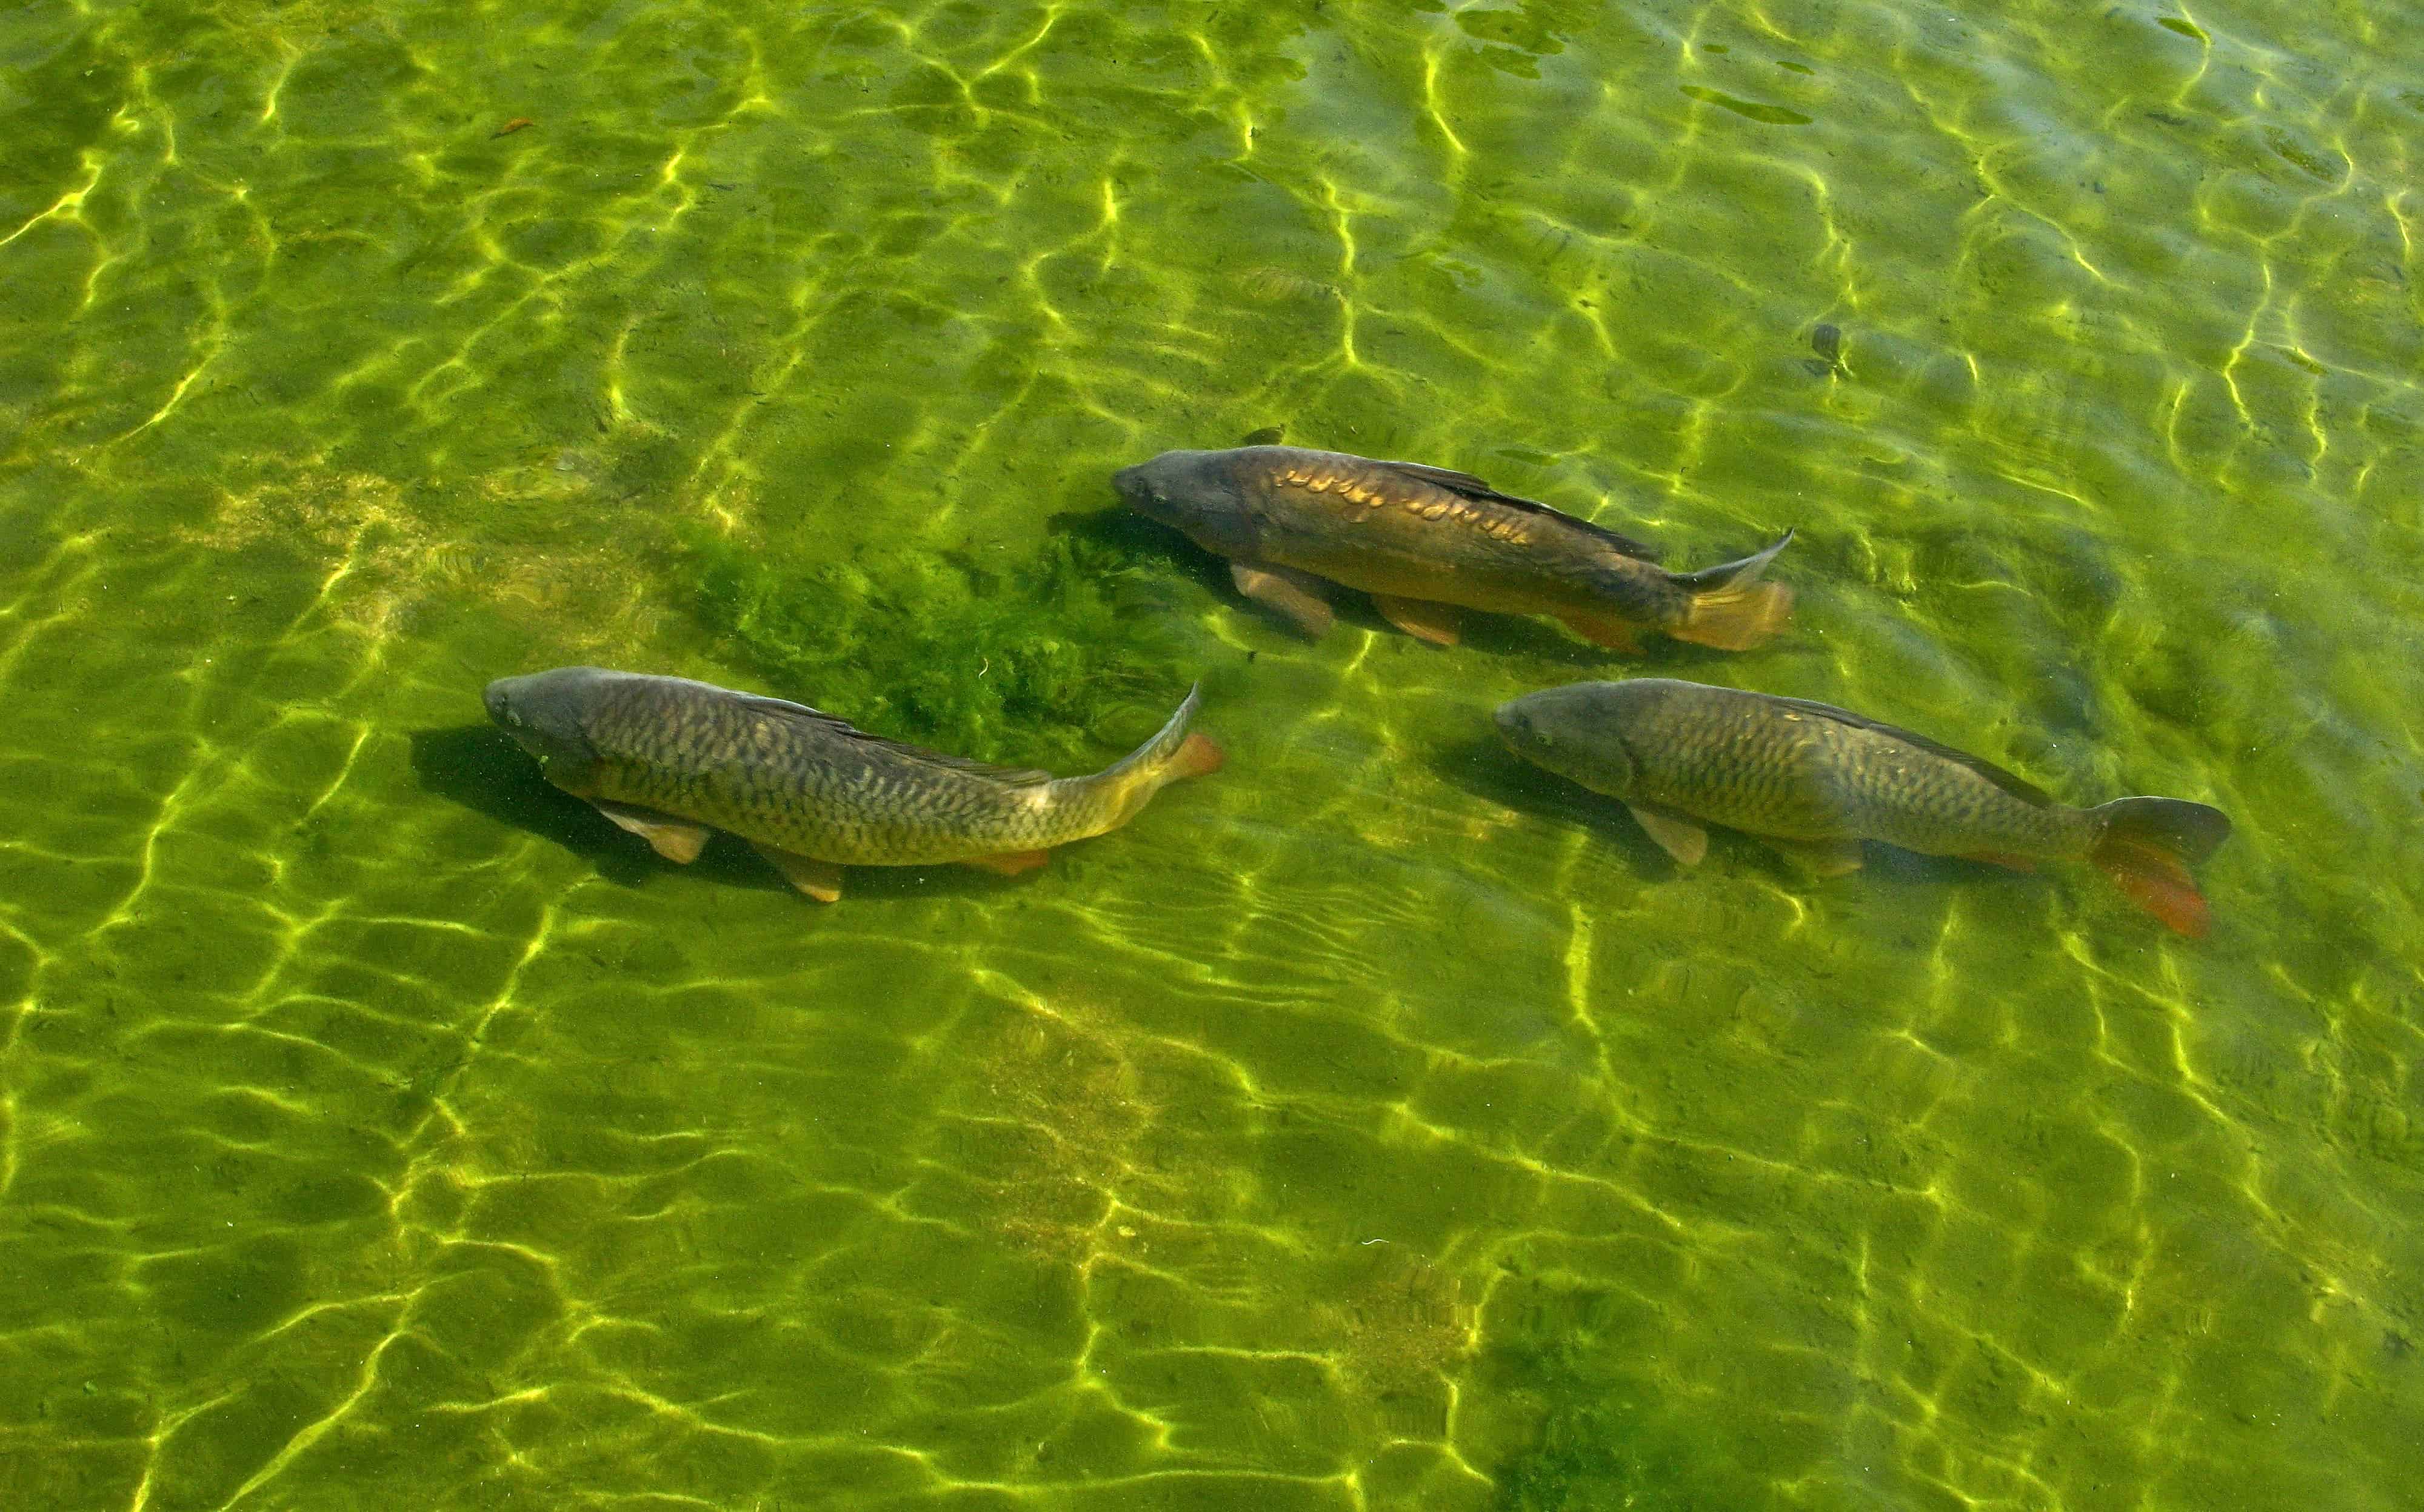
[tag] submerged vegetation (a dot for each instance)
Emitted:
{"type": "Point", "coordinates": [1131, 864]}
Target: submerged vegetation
{"type": "Point", "coordinates": [1574, 1357]}
{"type": "Point", "coordinates": [1069, 657]}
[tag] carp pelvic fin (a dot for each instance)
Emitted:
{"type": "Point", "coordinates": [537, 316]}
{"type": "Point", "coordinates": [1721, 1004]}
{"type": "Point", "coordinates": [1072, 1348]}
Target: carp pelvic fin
{"type": "Point", "coordinates": [1419, 619]}
{"type": "Point", "coordinates": [678, 841]}
{"type": "Point", "coordinates": [1295, 596]}
{"type": "Point", "coordinates": [1011, 863]}
{"type": "Point", "coordinates": [1820, 858]}
{"type": "Point", "coordinates": [1679, 837]}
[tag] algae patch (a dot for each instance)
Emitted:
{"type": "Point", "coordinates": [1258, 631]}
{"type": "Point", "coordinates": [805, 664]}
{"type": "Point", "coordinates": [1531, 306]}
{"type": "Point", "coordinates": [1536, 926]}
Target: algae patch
{"type": "Point", "coordinates": [1579, 1363]}
{"type": "Point", "coordinates": [1059, 657]}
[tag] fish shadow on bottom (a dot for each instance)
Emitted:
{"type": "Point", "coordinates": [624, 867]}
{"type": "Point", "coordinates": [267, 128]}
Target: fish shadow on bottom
{"type": "Point", "coordinates": [1481, 765]}
{"type": "Point", "coordinates": [1483, 768]}
{"type": "Point", "coordinates": [1506, 635]}
{"type": "Point", "coordinates": [479, 767]}
{"type": "Point", "coordinates": [1524, 635]}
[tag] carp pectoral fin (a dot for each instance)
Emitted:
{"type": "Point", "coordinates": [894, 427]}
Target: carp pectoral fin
{"type": "Point", "coordinates": [1820, 858]}
{"type": "Point", "coordinates": [1679, 837]}
{"type": "Point", "coordinates": [820, 880]}
{"type": "Point", "coordinates": [1615, 634]}
{"type": "Point", "coordinates": [1419, 617]}
{"type": "Point", "coordinates": [676, 840]}
{"type": "Point", "coordinates": [571, 773]}
{"type": "Point", "coordinates": [1011, 863]}
{"type": "Point", "coordinates": [1295, 596]}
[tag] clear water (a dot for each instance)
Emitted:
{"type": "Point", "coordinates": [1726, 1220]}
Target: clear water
{"type": "Point", "coordinates": [1374, 1124]}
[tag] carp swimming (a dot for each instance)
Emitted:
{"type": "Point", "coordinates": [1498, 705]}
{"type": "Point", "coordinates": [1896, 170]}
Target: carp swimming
{"type": "Point", "coordinates": [1424, 541]}
{"type": "Point", "coordinates": [670, 760]}
{"type": "Point", "coordinates": [1814, 781]}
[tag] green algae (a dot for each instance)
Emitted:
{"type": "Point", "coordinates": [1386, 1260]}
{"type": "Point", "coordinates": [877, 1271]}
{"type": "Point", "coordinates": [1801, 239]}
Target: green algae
{"type": "Point", "coordinates": [1034, 660]}
{"type": "Point", "coordinates": [1578, 1362]}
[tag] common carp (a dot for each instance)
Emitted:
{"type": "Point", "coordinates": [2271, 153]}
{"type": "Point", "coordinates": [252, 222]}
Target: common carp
{"type": "Point", "coordinates": [670, 759]}
{"type": "Point", "coordinates": [1814, 781]}
{"type": "Point", "coordinates": [1423, 540]}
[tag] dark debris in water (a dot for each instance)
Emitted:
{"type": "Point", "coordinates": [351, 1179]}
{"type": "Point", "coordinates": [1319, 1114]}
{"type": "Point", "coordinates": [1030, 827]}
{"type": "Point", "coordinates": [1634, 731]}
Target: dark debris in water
{"type": "Point", "coordinates": [1766, 115]}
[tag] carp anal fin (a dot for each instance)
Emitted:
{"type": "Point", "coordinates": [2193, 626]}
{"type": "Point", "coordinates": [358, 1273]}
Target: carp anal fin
{"type": "Point", "coordinates": [1466, 485]}
{"type": "Point", "coordinates": [1604, 630]}
{"type": "Point", "coordinates": [678, 841]}
{"type": "Point", "coordinates": [820, 880]}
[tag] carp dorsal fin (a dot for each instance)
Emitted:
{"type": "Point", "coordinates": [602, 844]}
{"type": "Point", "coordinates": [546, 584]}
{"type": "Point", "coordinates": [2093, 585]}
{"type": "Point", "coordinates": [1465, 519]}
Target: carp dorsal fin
{"type": "Point", "coordinates": [839, 729]}
{"type": "Point", "coordinates": [1469, 487]}
{"type": "Point", "coordinates": [2019, 788]}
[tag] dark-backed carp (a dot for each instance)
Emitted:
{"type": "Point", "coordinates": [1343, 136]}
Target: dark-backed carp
{"type": "Point", "coordinates": [1423, 541]}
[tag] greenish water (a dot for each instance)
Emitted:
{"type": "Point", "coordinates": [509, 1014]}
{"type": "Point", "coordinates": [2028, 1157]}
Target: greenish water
{"type": "Point", "coordinates": [1377, 1123]}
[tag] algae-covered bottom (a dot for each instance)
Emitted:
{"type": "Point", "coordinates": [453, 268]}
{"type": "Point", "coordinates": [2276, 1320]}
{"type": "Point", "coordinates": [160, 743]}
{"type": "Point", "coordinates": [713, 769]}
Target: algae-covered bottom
{"type": "Point", "coordinates": [1377, 1122]}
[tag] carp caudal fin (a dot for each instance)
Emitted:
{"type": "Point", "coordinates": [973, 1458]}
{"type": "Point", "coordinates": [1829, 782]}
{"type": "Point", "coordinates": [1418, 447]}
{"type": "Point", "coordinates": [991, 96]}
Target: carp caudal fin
{"type": "Point", "coordinates": [2145, 845]}
{"type": "Point", "coordinates": [1168, 757]}
{"type": "Point", "coordinates": [1731, 609]}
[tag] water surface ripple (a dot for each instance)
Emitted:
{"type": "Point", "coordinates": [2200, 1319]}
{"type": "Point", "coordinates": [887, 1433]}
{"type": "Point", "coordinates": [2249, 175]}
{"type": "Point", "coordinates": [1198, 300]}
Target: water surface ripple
{"type": "Point", "coordinates": [1378, 1124]}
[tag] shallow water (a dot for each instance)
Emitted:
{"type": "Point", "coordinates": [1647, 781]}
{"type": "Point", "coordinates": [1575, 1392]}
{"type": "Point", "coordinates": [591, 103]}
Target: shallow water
{"type": "Point", "coordinates": [1379, 1123]}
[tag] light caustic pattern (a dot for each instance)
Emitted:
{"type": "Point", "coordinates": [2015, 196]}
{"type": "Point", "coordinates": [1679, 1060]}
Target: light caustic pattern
{"type": "Point", "coordinates": [1375, 1123]}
